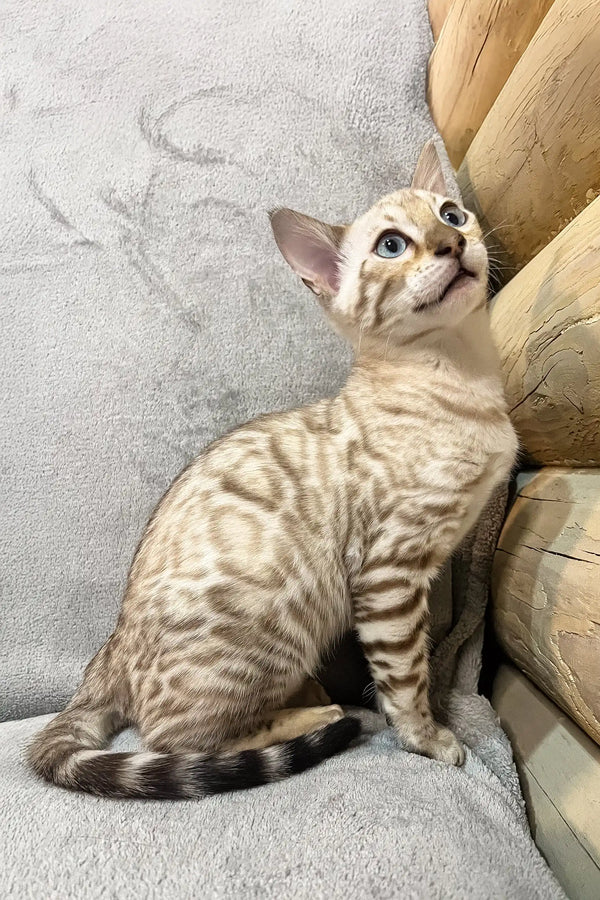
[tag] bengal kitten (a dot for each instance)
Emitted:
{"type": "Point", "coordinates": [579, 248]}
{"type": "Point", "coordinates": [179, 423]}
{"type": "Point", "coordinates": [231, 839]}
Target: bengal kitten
{"type": "Point", "coordinates": [300, 525]}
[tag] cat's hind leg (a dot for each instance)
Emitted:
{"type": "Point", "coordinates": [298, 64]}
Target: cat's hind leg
{"type": "Point", "coordinates": [310, 693]}
{"type": "Point", "coordinates": [286, 724]}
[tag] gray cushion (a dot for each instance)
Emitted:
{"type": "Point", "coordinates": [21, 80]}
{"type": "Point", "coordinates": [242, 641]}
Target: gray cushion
{"type": "Point", "coordinates": [374, 822]}
{"type": "Point", "coordinates": [145, 308]}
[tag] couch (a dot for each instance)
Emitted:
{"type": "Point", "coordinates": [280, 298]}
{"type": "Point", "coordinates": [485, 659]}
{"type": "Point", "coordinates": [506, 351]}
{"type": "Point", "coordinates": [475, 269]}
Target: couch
{"type": "Point", "coordinates": [145, 310]}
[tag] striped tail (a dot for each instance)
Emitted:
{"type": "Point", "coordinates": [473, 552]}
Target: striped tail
{"type": "Point", "coordinates": [66, 753]}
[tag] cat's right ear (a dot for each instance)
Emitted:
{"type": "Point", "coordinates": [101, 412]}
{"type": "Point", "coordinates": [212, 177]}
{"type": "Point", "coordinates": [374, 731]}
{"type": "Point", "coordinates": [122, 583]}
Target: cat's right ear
{"type": "Point", "coordinates": [311, 248]}
{"type": "Point", "coordinates": [429, 174]}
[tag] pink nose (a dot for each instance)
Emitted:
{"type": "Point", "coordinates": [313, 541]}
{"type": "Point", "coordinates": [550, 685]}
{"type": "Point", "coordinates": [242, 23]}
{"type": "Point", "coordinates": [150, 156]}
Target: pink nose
{"type": "Point", "coordinates": [453, 246]}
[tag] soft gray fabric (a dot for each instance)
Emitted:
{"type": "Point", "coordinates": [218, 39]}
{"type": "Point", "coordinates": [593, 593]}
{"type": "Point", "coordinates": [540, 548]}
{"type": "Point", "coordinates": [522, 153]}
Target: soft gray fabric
{"type": "Point", "coordinates": [145, 308]}
{"type": "Point", "coordinates": [373, 823]}
{"type": "Point", "coordinates": [456, 661]}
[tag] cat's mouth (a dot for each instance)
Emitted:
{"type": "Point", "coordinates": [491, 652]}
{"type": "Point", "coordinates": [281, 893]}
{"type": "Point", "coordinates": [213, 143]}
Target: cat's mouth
{"type": "Point", "coordinates": [462, 278]}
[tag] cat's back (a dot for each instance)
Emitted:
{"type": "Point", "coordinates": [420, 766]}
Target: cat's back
{"type": "Point", "coordinates": [250, 505]}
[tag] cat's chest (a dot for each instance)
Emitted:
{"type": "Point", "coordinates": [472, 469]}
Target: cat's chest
{"type": "Point", "coordinates": [446, 475]}
{"type": "Point", "coordinates": [450, 452]}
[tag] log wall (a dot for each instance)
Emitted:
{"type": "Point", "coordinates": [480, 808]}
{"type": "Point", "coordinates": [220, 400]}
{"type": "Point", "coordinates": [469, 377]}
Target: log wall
{"type": "Point", "coordinates": [514, 89]}
{"type": "Point", "coordinates": [480, 45]}
{"type": "Point", "coordinates": [559, 767]}
{"type": "Point", "coordinates": [438, 10]}
{"type": "Point", "coordinates": [546, 324]}
{"type": "Point", "coordinates": [534, 164]}
{"type": "Point", "coordinates": [545, 589]}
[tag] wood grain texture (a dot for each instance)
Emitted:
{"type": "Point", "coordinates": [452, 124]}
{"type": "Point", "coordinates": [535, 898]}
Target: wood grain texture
{"type": "Point", "coordinates": [535, 162]}
{"type": "Point", "coordinates": [546, 589]}
{"type": "Point", "coordinates": [546, 325]}
{"type": "Point", "coordinates": [438, 10]}
{"type": "Point", "coordinates": [481, 42]}
{"type": "Point", "coordinates": [559, 768]}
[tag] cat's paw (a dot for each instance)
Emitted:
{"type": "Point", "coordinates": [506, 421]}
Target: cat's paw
{"type": "Point", "coordinates": [328, 714]}
{"type": "Point", "coordinates": [443, 746]}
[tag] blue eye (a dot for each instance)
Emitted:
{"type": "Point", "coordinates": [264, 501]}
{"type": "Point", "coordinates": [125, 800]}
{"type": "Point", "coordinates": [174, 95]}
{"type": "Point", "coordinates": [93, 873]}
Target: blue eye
{"type": "Point", "coordinates": [452, 215]}
{"type": "Point", "coordinates": [390, 245]}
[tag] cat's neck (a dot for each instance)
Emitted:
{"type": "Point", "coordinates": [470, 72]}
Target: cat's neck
{"type": "Point", "coordinates": [466, 353]}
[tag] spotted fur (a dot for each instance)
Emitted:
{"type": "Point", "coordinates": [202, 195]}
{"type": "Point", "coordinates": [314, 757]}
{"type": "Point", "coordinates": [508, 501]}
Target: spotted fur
{"type": "Point", "coordinates": [300, 525]}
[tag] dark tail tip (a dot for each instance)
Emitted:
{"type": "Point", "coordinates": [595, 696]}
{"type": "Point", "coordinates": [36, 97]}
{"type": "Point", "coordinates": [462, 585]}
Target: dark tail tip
{"type": "Point", "coordinates": [309, 750]}
{"type": "Point", "coordinates": [338, 735]}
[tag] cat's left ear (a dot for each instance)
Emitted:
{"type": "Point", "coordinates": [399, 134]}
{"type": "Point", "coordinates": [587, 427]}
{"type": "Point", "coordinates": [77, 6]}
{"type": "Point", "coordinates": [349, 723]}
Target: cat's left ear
{"type": "Point", "coordinates": [429, 175]}
{"type": "Point", "coordinates": [311, 248]}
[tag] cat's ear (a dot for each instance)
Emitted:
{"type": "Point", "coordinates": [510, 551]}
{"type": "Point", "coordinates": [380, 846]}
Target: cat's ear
{"type": "Point", "coordinates": [429, 175]}
{"type": "Point", "coordinates": [311, 248]}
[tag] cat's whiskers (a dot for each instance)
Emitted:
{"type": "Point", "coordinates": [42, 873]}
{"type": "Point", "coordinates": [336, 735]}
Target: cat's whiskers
{"type": "Point", "coordinates": [360, 335]}
{"type": "Point", "coordinates": [370, 692]}
{"type": "Point", "coordinates": [502, 224]}
{"type": "Point", "coordinates": [387, 344]}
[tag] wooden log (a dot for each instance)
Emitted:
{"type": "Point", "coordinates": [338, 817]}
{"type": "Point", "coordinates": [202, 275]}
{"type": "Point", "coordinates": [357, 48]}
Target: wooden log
{"type": "Point", "coordinates": [481, 42]}
{"type": "Point", "coordinates": [546, 601]}
{"type": "Point", "coordinates": [438, 10]}
{"type": "Point", "coordinates": [559, 767]}
{"type": "Point", "coordinates": [535, 161]}
{"type": "Point", "coordinates": [546, 325]}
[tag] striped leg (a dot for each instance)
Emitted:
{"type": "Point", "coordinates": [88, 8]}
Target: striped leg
{"type": "Point", "coordinates": [391, 618]}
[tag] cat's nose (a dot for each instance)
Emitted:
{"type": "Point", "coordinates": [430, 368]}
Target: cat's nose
{"type": "Point", "coordinates": [452, 246]}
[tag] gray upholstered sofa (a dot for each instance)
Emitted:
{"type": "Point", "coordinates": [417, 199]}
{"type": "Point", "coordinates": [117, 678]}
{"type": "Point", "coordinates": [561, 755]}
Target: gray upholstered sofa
{"type": "Point", "coordinates": [144, 311]}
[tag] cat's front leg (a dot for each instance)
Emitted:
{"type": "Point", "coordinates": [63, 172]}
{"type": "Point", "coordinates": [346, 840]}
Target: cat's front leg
{"type": "Point", "coordinates": [391, 618]}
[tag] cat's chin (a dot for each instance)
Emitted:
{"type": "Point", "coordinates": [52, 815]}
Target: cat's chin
{"type": "Point", "coordinates": [460, 287]}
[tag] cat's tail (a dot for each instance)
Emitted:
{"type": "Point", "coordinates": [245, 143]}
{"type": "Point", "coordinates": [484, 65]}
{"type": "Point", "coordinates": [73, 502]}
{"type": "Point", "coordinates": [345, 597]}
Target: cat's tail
{"type": "Point", "coordinates": [67, 753]}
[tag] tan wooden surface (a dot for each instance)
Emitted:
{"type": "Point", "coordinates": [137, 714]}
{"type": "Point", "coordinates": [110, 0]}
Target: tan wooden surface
{"type": "Point", "coordinates": [546, 589]}
{"type": "Point", "coordinates": [479, 47]}
{"type": "Point", "coordinates": [438, 10]}
{"type": "Point", "coordinates": [546, 325]}
{"type": "Point", "coordinates": [559, 768]}
{"type": "Point", "coordinates": [535, 162]}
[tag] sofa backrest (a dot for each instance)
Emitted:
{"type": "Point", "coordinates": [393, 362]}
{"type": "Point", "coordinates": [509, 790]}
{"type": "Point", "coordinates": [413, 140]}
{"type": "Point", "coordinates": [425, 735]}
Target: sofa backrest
{"type": "Point", "coordinates": [145, 308]}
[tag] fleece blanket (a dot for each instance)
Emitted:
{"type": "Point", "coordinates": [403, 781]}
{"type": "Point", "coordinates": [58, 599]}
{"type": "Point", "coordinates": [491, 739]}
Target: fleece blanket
{"type": "Point", "coordinates": [144, 306]}
{"type": "Point", "coordinates": [375, 822]}
{"type": "Point", "coordinates": [144, 311]}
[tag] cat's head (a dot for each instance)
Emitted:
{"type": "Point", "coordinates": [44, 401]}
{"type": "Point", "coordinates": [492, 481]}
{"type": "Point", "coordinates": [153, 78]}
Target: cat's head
{"type": "Point", "coordinates": [413, 264]}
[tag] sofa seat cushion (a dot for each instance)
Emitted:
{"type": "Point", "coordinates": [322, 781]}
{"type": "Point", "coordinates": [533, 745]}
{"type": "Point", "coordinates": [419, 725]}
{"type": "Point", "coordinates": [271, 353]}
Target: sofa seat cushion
{"type": "Point", "coordinates": [373, 822]}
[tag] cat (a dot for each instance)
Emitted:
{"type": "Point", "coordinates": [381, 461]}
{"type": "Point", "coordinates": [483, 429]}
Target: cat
{"type": "Point", "coordinates": [300, 525]}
